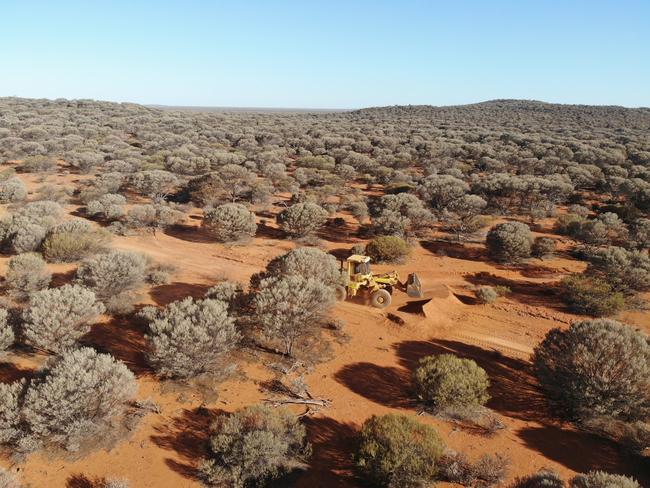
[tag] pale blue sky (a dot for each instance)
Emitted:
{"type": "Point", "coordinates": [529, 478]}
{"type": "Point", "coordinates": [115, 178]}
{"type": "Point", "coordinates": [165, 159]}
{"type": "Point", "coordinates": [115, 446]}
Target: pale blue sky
{"type": "Point", "coordinates": [334, 54]}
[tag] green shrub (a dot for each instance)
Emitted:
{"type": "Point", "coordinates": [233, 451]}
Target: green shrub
{"type": "Point", "coordinates": [399, 452]}
{"type": "Point", "coordinates": [73, 241]}
{"type": "Point", "coordinates": [591, 296]}
{"type": "Point", "coordinates": [253, 446]}
{"type": "Point", "coordinates": [596, 368]}
{"type": "Point", "coordinates": [388, 249]}
{"type": "Point", "coordinates": [447, 381]}
{"type": "Point", "coordinates": [302, 219]}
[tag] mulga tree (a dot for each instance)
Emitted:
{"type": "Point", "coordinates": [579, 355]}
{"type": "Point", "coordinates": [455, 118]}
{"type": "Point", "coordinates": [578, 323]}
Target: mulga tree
{"type": "Point", "coordinates": [289, 308]}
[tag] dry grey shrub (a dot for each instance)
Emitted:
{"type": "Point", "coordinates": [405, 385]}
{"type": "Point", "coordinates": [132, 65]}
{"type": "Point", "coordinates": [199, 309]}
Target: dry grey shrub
{"type": "Point", "coordinates": [302, 219]}
{"type": "Point", "coordinates": [113, 273]}
{"type": "Point", "coordinates": [188, 337]}
{"type": "Point", "coordinates": [601, 479]}
{"type": "Point", "coordinates": [486, 294]}
{"type": "Point", "coordinates": [153, 217]}
{"type": "Point", "coordinates": [441, 190]}
{"type": "Point", "coordinates": [56, 318]}
{"type": "Point", "coordinates": [230, 222]}
{"type": "Point", "coordinates": [77, 397]}
{"type": "Point", "coordinates": [155, 183]}
{"type": "Point", "coordinates": [25, 230]}
{"type": "Point", "coordinates": [253, 446]}
{"type": "Point", "coordinates": [489, 470]}
{"type": "Point", "coordinates": [74, 399]}
{"type": "Point", "coordinates": [6, 331]}
{"type": "Point", "coordinates": [12, 190]}
{"type": "Point", "coordinates": [107, 207]}
{"type": "Point", "coordinates": [596, 368]}
{"type": "Point", "coordinates": [509, 242]}
{"type": "Point", "coordinates": [307, 262]}
{"type": "Point", "coordinates": [541, 479]}
{"type": "Point", "coordinates": [624, 270]}
{"type": "Point", "coordinates": [290, 307]}
{"type": "Point", "coordinates": [115, 483]}
{"type": "Point", "coordinates": [8, 480]}
{"type": "Point", "coordinates": [27, 273]}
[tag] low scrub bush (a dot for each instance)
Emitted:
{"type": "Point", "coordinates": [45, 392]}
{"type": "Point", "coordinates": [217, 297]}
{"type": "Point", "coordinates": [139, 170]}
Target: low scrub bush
{"type": "Point", "coordinates": [601, 479]}
{"type": "Point", "coordinates": [446, 381]}
{"type": "Point", "coordinates": [12, 190]}
{"type": "Point", "coordinates": [74, 399]}
{"type": "Point", "coordinates": [388, 249]}
{"type": "Point", "coordinates": [56, 318]}
{"type": "Point", "coordinates": [6, 331]}
{"type": "Point", "coordinates": [591, 296]}
{"type": "Point", "coordinates": [543, 247]}
{"type": "Point", "coordinates": [107, 207]}
{"type": "Point", "coordinates": [73, 241]}
{"type": "Point", "coordinates": [596, 368]}
{"type": "Point", "coordinates": [189, 336]}
{"type": "Point", "coordinates": [254, 446]}
{"type": "Point", "coordinates": [27, 273]}
{"type": "Point", "coordinates": [486, 294]}
{"type": "Point", "coordinates": [397, 451]}
{"type": "Point", "coordinates": [307, 262]}
{"type": "Point", "coordinates": [302, 219]}
{"type": "Point", "coordinates": [509, 242]}
{"type": "Point", "coordinates": [230, 222]}
{"type": "Point", "coordinates": [153, 217]}
{"type": "Point", "coordinates": [541, 479]}
{"type": "Point", "coordinates": [489, 470]}
{"type": "Point", "coordinates": [113, 273]}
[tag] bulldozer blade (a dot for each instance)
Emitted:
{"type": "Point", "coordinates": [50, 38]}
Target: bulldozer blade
{"type": "Point", "coordinates": [413, 286]}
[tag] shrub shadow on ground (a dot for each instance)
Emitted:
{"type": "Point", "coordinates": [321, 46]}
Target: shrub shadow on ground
{"type": "Point", "coordinates": [384, 385]}
{"type": "Point", "coordinates": [582, 452]}
{"type": "Point", "coordinates": [526, 292]}
{"type": "Point", "coordinates": [124, 339]}
{"type": "Point", "coordinates": [166, 294]}
{"type": "Point", "coordinates": [456, 250]}
{"type": "Point", "coordinates": [333, 443]}
{"type": "Point", "coordinates": [188, 436]}
{"type": "Point", "coordinates": [189, 233]}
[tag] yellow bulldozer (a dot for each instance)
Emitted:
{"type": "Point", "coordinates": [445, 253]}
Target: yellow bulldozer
{"type": "Point", "coordinates": [359, 279]}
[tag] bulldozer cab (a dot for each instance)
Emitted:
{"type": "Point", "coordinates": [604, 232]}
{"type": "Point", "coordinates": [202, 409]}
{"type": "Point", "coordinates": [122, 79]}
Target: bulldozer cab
{"type": "Point", "coordinates": [358, 266]}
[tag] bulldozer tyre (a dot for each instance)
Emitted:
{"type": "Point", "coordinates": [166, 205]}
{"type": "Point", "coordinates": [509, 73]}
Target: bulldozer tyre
{"type": "Point", "coordinates": [380, 299]}
{"type": "Point", "coordinates": [340, 293]}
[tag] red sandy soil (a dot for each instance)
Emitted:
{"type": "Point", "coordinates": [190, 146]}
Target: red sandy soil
{"type": "Point", "coordinates": [367, 374]}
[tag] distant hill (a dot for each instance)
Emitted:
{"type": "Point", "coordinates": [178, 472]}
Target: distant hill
{"type": "Point", "coordinates": [518, 112]}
